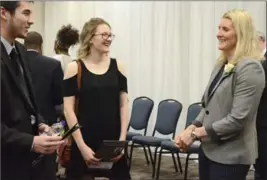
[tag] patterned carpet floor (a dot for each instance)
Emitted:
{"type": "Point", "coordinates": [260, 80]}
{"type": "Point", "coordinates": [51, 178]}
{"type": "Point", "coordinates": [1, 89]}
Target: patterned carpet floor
{"type": "Point", "coordinates": [141, 171]}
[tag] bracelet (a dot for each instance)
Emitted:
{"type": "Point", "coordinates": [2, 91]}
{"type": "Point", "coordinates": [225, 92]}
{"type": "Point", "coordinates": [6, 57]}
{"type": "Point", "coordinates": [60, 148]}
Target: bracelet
{"type": "Point", "coordinates": [193, 135]}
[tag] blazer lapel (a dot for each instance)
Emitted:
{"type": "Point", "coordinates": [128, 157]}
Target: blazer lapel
{"type": "Point", "coordinates": [7, 61]}
{"type": "Point", "coordinates": [224, 76]}
{"type": "Point", "coordinates": [28, 82]}
{"type": "Point", "coordinates": [213, 75]}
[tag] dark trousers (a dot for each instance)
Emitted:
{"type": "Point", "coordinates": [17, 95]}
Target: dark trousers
{"type": "Point", "coordinates": [209, 170]}
{"type": "Point", "coordinates": [261, 163]}
{"type": "Point", "coordinates": [50, 167]}
{"type": "Point", "coordinates": [46, 169]}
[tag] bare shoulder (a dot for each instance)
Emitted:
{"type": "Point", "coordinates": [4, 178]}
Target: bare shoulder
{"type": "Point", "coordinates": [71, 70]}
{"type": "Point", "coordinates": [121, 68]}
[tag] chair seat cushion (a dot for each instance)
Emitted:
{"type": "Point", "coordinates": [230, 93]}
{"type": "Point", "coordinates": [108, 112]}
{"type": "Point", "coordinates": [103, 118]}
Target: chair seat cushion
{"type": "Point", "coordinates": [149, 140]}
{"type": "Point", "coordinates": [170, 145]}
{"type": "Point", "coordinates": [194, 148]}
{"type": "Point", "coordinates": [130, 135]}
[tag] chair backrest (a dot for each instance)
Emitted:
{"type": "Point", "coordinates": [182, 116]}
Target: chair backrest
{"type": "Point", "coordinates": [192, 112]}
{"type": "Point", "coordinates": [141, 111]}
{"type": "Point", "coordinates": [169, 111]}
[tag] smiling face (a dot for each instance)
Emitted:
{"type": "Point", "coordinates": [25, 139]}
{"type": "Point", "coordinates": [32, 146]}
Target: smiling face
{"type": "Point", "coordinates": [18, 23]}
{"type": "Point", "coordinates": [102, 39]}
{"type": "Point", "coordinates": [226, 36]}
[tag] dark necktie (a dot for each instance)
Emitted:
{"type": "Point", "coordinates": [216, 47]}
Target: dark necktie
{"type": "Point", "coordinates": [19, 73]}
{"type": "Point", "coordinates": [15, 62]}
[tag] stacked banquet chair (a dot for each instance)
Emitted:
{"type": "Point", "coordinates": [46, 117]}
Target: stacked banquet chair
{"type": "Point", "coordinates": [141, 111]}
{"type": "Point", "coordinates": [168, 114]}
{"type": "Point", "coordinates": [169, 146]}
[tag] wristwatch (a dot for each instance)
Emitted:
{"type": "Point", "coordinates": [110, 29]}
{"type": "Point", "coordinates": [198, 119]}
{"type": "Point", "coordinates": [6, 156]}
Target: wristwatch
{"type": "Point", "coordinates": [193, 135]}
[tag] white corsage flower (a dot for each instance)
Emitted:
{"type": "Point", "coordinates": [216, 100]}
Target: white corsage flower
{"type": "Point", "coordinates": [228, 68]}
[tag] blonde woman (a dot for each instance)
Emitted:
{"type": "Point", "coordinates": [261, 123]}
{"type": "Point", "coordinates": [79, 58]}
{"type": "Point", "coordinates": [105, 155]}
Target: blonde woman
{"type": "Point", "coordinates": [227, 124]}
{"type": "Point", "coordinates": [103, 104]}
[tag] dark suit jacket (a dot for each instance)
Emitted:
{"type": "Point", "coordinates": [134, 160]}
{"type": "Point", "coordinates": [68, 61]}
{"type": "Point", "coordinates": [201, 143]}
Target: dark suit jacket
{"type": "Point", "coordinates": [262, 111]}
{"type": "Point", "coordinates": [47, 76]}
{"type": "Point", "coordinates": [17, 132]}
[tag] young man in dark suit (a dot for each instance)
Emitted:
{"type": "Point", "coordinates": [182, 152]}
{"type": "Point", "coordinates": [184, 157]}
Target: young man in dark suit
{"type": "Point", "coordinates": [20, 120]}
{"type": "Point", "coordinates": [261, 163]}
{"type": "Point", "coordinates": [47, 76]}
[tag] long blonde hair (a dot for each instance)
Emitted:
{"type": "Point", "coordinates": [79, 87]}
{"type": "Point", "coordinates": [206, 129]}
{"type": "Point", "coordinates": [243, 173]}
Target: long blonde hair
{"type": "Point", "coordinates": [247, 40]}
{"type": "Point", "coordinates": [88, 31]}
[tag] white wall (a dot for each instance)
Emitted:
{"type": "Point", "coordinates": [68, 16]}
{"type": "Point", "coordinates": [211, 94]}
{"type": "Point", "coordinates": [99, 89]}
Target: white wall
{"type": "Point", "coordinates": [168, 47]}
{"type": "Point", "coordinates": [38, 17]}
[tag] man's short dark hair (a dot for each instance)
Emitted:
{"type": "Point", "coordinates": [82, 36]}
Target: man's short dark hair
{"type": "Point", "coordinates": [11, 6]}
{"type": "Point", "coordinates": [33, 40]}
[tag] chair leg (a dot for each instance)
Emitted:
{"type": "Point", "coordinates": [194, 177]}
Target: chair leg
{"type": "Point", "coordinates": [150, 155]}
{"type": "Point", "coordinates": [154, 163]}
{"type": "Point", "coordinates": [147, 160]}
{"type": "Point", "coordinates": [126, 151]}
{"type": "Point", "coordinates": [159, 164]}
{"type": "Point", "coordinates": [174, 162]}
{"type": "Point", "coordinates": [186, 166]}
{"type": "Point", "coordinates": [131, 155]}
{"type": "Point", "coordinates": [179, 162]}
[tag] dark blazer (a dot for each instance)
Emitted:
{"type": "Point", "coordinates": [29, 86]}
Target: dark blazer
{"type": "Point", "coordinates": [47, 76]}
{"type": "Point", "coordinates": [17, 131]}
{"type": "Point", "coordinates": [262, 111]}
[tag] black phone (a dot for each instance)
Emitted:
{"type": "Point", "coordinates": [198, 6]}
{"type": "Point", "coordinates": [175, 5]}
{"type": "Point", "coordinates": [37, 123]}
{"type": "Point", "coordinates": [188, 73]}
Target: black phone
{"type": "Point", "coordinates": [71, 130]}
{"type": "Point", "coordinates": [65, 135]}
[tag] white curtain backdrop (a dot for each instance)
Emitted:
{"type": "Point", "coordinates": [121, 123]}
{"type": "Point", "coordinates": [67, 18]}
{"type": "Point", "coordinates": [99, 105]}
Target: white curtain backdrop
{"type": "Point", "coordinates": [169, 47]}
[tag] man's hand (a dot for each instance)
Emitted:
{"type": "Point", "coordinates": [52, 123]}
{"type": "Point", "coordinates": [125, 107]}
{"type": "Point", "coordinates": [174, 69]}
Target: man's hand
{"type": "Point", "coordinates": [46, 144]}
{"type": "Point", "coordinates": [44, 128]}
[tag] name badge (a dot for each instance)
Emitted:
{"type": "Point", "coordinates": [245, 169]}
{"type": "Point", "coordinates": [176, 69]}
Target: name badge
{"type": "Point", "coordinates": [33, 119]}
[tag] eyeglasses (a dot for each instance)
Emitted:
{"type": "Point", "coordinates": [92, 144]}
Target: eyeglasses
{"type": "Point", "coordinates": [106, 36]}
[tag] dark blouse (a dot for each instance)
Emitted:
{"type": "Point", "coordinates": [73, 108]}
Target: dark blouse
{"type": "Point", "coordinates": [99, 104]}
